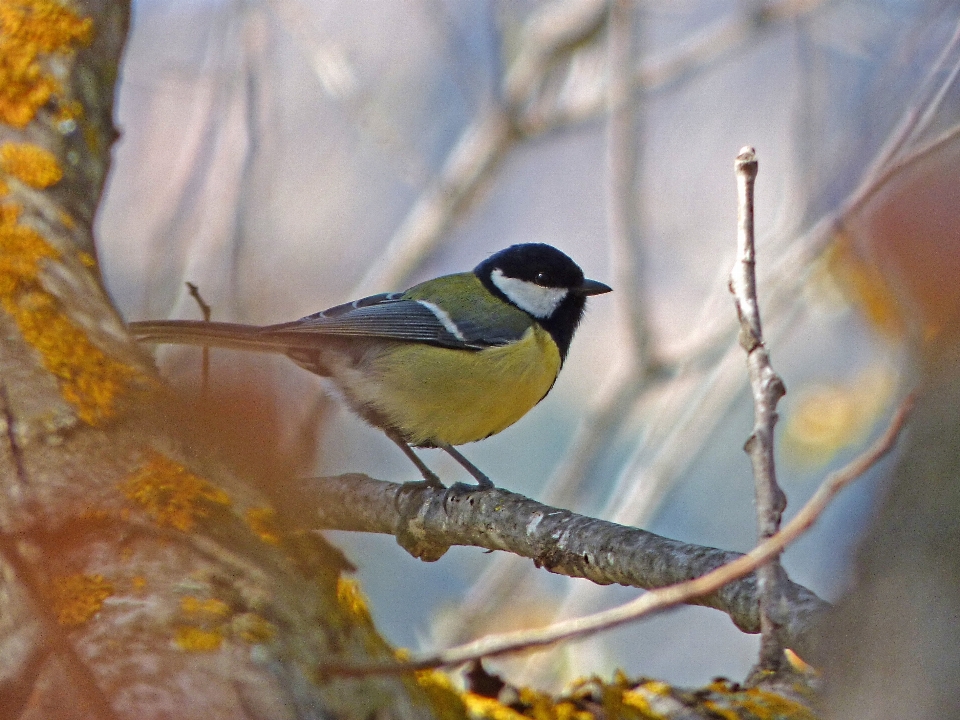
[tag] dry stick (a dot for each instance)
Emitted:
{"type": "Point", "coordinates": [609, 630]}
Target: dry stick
{"type": "Point", "coordinates": [656, 600]}
{"type": "Point", "coordinates": [206, 310]}
{"type": "Point", "coordinates": [767, 390]}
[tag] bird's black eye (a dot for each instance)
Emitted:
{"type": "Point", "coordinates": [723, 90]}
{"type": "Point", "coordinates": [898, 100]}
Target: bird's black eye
{"type": "Point", "coordinates": [541, 278]}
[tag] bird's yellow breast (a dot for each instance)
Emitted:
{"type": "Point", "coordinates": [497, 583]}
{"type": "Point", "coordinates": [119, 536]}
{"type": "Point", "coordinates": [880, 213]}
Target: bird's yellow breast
{"type": "Point", "coordinates": [439, 395]}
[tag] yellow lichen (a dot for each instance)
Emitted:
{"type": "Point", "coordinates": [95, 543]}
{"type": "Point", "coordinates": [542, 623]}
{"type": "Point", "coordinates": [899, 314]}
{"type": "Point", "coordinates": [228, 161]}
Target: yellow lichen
{"type": "Point", "coordinates": [30, 30]}
{"type": "Point", "coordinates": [252, 628]}
{"type": "Point", "coordinates": [353, 602]}
{"type": "Point", "coordinates": [77, 598]}
{"type": "Point", "coordinates": [171, 494]}
{"type": "Point", "coordinates": [4, 188]}
{"type": "Point", "coordinates": [210, 608]}
{"type": "Point", "coordinates": [263, 522]}
{"type": "Point", "coordinates": [139, 583]}
{"type": "Point", "coordinates": [90, 380]}
{"type": "Point", "coordinates": [732, 701]}
{"type": "Point", "coordinates": [31, 164]}
{"type": "Point", "coordinates": [444, 698]}
{"type": "Point", "coordinates": [194, 639]}
{"type": "Point", "coordinates": [544, 706]}
{"type": "Point", "coordinates": [484, 708]}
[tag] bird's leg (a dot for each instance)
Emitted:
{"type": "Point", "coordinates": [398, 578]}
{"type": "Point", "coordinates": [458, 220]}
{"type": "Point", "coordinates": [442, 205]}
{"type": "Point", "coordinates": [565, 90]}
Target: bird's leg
{"type": "Point", "coordinates": [483, 482]}
{"type": "Point", "coordinates": [429, 477]}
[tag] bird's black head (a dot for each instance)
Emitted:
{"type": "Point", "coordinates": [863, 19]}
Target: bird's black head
{"type": "Point", "coordinates": [544, 283]}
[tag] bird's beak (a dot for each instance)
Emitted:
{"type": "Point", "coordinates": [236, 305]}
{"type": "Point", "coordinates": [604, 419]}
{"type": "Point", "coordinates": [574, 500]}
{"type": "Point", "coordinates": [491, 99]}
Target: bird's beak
{"type": "Point", "coordinates": [593, 287]}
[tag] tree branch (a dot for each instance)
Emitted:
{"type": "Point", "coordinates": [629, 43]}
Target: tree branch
{"type": "Point", "coordinates": [803, 607]}
{"type": "Point", "coordinates": [427, 521]}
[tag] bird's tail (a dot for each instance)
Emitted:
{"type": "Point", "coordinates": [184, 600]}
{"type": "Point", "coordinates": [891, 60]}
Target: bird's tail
{"type": "Point", "coordinates": [216, 334]}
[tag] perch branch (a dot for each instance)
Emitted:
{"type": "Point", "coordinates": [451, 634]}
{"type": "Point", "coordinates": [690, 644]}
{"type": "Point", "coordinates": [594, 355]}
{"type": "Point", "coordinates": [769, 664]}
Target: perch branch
{"type": "Point", "coordinates": [428, 521]}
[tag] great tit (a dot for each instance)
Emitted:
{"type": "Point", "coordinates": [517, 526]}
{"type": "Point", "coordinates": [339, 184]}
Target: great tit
{"type": "Point", "coordinates": [450, 361]}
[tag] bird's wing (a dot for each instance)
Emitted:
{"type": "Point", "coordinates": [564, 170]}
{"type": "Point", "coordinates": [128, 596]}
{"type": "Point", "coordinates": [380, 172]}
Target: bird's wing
{"type": "Point", "coordinates": [392, 316]}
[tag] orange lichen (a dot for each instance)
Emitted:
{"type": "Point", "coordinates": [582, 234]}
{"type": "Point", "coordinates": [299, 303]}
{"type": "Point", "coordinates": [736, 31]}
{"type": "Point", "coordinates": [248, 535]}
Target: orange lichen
{"type": "Point", "coordinates": [89, 379]}
{"type": "Point", "coordinates": [68, 114]}
{"type": "Point", "coordinates": [194, 639]}
{"type": "Point", "coordinates": [77, 598]}
{"type": "Point", "coordinates": [171, 494]}
{"type": "Point", "coordinates": [263, 522]}
{"type": "Point", "coordinates": [139, 583]}
{"type": "Point", "coordinates": [31, 164]}
{"type": "Point", "coordinates": [30, 30]}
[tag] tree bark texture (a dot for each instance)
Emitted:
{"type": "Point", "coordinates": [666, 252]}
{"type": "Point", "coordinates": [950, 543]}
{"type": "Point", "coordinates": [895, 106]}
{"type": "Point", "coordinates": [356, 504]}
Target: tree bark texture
{"type": "Point", "coordinates": [138, 577]}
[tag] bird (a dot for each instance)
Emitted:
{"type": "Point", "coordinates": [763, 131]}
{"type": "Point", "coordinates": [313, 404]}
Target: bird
{"type": "Point", "coordinates": [449, 361]}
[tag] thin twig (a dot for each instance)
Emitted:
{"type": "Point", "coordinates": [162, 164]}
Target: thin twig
{"type": "Point", "coordinates": [205, 309]}
{"type": "Point", "coordinates": [767, 389]}
{"type": "Point", "coordinates": [664, 598]}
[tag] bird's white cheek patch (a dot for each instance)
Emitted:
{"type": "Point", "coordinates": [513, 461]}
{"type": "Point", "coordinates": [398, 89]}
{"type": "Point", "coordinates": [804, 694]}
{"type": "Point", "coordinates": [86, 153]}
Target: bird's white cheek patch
{"type": "Point", "coordinates": [537, 300]}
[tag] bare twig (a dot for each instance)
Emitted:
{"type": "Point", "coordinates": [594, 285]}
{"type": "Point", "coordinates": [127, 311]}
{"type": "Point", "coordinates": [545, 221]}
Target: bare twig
{"type": "Point", "coordinates": [767, 390]}
{"type": "Point", "coordinates": [195, 294]}
{"type": "Point", "coordinates": [664, 598]}
{"type": "Point", "coordinates": [206, 310]}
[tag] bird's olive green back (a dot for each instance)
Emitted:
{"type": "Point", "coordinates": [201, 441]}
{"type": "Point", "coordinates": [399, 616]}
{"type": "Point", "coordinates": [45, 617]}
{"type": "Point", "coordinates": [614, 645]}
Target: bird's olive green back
{"type": "Point", "coordinates": [465, 299]}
